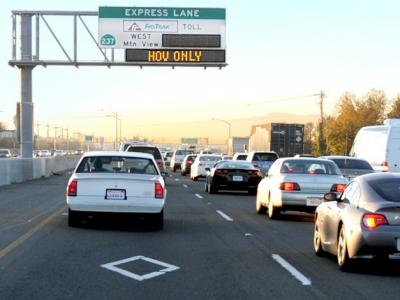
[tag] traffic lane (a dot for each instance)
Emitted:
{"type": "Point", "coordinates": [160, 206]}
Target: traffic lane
{"type": "Point", "coordinates": [23, 206]}
{"type": "Point", "coordinates": [214, 260]}
{"type": "Point", "coordinates": [292, 237]}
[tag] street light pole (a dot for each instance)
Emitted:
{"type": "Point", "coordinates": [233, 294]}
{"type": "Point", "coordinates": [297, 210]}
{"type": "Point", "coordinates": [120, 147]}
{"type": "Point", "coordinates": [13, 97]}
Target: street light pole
{"type": "Point", "coordinates": [229, 130]}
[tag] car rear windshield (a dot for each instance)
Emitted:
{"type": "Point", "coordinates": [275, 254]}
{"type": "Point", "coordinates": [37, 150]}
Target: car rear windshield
{"type": "Point", "coordinates": [241, 157]}
{"type": "Point", "coordinates": [356, 164]}
{"type": "Point", "coordinates": [145, 149]}
{"type": "Point", "coordinates": [265, 156]}
{"type": "Point", "coordinates": [235, 165]}
{"type": "Point", "coordinates": [4, 152]}
{"type": "Point", "coordinates": [183, 152]}
{"type": "Point", "coordinates": [117, 164]}
{"type": "Point", "coordinates": [387, 188]}
{"type": "Point", "coordinates": [309, 167]}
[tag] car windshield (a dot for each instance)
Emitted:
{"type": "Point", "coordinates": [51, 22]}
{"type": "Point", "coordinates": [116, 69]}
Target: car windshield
{"type": "Point", "coordinates": [145, 149]}
{"type": "Point", "coordinates": [3, 151]}
{"type": "Point", "coordinates": [210, 158]}
{"type": "Point", "coordinates": [265, 156]}
{"type": "Point", "coordinates": [117, 164]}
{"type": "Point", "coordinates": [235, 165]}
{"type": "Point", "coordinates": [241, 157]}
{"type": "Point", "coordinates": [352, 164]}
{"type": "Point", "coordinates": [309, 167]}
{"type": "Point", "coordinates": [387, 188]}
{"type": "Point", "coordinates": [184, 152]}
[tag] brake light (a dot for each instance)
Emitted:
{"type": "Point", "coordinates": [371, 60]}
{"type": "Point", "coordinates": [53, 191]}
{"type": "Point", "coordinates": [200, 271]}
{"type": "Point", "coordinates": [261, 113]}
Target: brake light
{"type": "Point", "coordinates": [158, 190]}
{"type": "Point", "coordinates": [338, 188]}
{"type": "Point", "coordinates": [72, 188]}
{"type": "Point", "coordinates": [372, 221]}
{"type": "Point", "coordinates": [219, 172]}
{"type": "Point", "coordinates": [289, 186]}
{"type": "Point", "coordinates": [385, 166]}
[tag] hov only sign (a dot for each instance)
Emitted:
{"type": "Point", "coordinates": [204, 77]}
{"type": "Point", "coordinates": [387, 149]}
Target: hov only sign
{"type": "Point", "coordinates": [160, 27]}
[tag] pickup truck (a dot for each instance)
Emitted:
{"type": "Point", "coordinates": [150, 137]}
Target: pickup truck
{"type": "Point", "coordinates": [262, 160]}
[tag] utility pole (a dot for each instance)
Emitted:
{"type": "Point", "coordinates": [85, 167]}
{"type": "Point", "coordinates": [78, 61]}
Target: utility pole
{"type": "Point", "coordinates": [321, 137]}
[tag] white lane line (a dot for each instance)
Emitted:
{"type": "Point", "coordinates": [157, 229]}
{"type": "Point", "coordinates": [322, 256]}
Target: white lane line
{"type": "Point", "coordinates": [226, 217]}
{"type": "Point", "coordinates": [185, 186]}
{"type": "Point", "coordinates": [292, 270]}
{"type": "Point", "coordinates": [176, 179]}
{"type": "Point", "coordinates": [248, 234]}
{"type": "Point", "coordinates": [198, 196]}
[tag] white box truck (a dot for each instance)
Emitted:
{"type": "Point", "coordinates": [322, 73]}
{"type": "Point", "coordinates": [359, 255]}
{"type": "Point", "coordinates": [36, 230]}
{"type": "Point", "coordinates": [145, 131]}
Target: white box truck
{"type": "Point", "coordinates": [379, 145]}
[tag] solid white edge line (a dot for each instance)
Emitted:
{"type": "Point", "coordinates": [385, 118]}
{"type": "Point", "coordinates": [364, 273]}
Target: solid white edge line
{"type": "Point", "coordinates": [226, 217]}
{"type": "Point", "coordinates": [198, 196]}
{"type": "Point", "coordinates": [292, 270]}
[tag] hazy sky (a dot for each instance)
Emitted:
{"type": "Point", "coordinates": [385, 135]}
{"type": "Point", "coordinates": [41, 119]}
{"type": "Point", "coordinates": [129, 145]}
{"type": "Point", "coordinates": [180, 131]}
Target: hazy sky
{"type": "Point", "coordinates": [275, 50]}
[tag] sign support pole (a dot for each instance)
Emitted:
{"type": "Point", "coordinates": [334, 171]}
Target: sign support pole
{"type": "Point", "coordinates": [26, 108]}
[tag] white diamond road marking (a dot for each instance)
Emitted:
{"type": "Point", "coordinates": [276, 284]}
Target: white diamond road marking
{"type": "Point", "coordinates": [113, 267]}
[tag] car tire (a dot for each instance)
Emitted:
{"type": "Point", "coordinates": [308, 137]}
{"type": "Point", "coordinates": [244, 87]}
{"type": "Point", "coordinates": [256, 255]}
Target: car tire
{"type": "Point", "coordinates": [159, 220]}
{"type": "Point", "coordinates": [273, 212]}
{"type": "Point", "coordinates": [343, 259]}
{"type": "Point", "coordinates": [174, 169]}
{"type": "Point", "coordinates": [260, 209]}
{"type": "Point", "coordinates": [212, 189]}
{"type": "Point", "coordinates": [73, 218]}
{"type": "Point", "coordinates": [194, 178]}
{"type": "Point", "coordinates": [206, 187]}
{"type": "Point", "coordinates": [252, 191]}
{"type": "Point", "coordinates": [317, 240]}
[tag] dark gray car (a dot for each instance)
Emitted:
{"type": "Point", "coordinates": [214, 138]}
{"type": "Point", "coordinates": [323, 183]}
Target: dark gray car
{"type": "Point", "coordinates": [364, 220]}
{"type": "Point", "coordinates": [351, 166]}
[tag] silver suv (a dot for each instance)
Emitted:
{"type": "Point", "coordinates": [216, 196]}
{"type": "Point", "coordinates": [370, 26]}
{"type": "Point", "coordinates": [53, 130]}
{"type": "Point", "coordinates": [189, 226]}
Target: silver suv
{"type": "Point", "coordinates": [178, 157]}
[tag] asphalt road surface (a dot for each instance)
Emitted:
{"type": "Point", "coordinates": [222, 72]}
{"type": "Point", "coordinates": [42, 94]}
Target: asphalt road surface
{"type": "Point", "coordinates": [211, 247]}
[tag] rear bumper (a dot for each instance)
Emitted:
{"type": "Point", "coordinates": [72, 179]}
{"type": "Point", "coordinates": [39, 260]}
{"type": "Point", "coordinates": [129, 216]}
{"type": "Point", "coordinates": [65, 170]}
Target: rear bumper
{"type": "Point", "coordinates": [131, 205]}
{"type": "Point", "coordinates": [296, 201]}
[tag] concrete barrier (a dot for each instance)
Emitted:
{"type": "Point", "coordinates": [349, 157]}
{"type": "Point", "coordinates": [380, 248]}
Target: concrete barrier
{"type": "Point", "coordinates": [15, 170]}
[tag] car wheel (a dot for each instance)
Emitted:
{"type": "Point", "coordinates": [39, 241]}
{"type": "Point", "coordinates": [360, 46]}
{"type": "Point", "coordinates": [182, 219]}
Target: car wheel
{"type": "Point", "coordinates": [212, 188]}
{"type": "Point", "coordinates": [343, 259]}
{"type": "Point", "coordinates": [194, 178]}
{"type": "Point", "coordinates": [273, 212]}
{"type": "Point", "coordinates": [317, 240]}
{"type": "Point", "coordinates": [73, 218]}
{"type": "Point", "coordinates": [206, 187]}
{"type": "Point", "coordinates": [174, 169]}
{"type": "Point", "coordinates": [261, 209]}
{"type": "Point", "coordinates": [159, 220]}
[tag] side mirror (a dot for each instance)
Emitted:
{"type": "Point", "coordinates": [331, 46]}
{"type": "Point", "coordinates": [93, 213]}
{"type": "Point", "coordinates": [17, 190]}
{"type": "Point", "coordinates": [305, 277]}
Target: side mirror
{"type": "Point", "coordinates": [330, 197]}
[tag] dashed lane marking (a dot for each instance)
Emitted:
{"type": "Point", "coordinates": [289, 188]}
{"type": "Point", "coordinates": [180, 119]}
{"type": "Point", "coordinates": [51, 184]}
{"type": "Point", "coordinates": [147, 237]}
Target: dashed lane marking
{"type": "Point", "coordinates": [185, 186]}
{"type": "Point", "coordinates": [292, 270]}
{"type": "Point", "coordinates": [198, 196]}
{"type": "Point", "coordinates": [226, 217]}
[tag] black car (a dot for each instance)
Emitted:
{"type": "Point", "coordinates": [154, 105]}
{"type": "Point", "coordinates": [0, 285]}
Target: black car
{"type": "Point", "coordinates": [233, 175]}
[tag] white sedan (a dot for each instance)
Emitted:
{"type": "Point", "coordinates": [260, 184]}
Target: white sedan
{"type": "Point", "coordinates": [297, 184]}
{"type": "Point", "coordinates": [203, 161]}
{"type": "Point", "coordinates": [116, 182]}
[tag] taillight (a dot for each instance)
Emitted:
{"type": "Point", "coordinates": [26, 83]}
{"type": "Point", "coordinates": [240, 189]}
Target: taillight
{"type": "Point", "coordinates": [372, 221]}
{"type": "Point", "coordinates": [385, 166]}
{"type": "Point", "coordinates": [256, 166]}
{"type": "Point", "coordinates": [200, 164]}
{"type": "Point", "coordinates": [72, 188]}
{"type": "Point", "coordinates": [219, 172]}
{"type": "Point", "coordinates": [158, 190]}
{"type": "Point", "coordinates": [289, 186]}
{"type": "Point", "coordinates": [338, 188]}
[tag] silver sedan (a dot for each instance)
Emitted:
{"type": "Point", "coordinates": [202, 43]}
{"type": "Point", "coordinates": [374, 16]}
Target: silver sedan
{"type": "Point", "coordinates": [364, 220]}
{"type": "Point", "coordinates": [297, 184]}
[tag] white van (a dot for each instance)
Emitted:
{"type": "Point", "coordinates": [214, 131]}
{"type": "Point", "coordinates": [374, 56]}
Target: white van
{"type": "Point", "coordinates": [379, 145]}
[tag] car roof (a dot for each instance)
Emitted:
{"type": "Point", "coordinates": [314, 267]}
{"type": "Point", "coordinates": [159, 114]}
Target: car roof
{"type": "Point", "coordinates": [341, 157]}
{"type": "Point", "coordinates": [117, 153]}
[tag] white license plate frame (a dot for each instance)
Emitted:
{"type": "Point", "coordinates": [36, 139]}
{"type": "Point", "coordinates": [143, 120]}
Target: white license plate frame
{"type": "Point", "coordinates": [237, 178]}
{"type": "Point", "coordinates": [314, 201]}
{"type": "Point", "coordinates": [115, 194]}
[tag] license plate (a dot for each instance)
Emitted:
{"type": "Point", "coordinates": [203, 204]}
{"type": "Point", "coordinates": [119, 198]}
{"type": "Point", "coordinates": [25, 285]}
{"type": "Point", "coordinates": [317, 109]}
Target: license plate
{"type": "Point", "coordinates": [237, 178]}
{"type": "Point", "coordinates": [115, 195]}
{"type": "Point", "coordinates": [314, 201]}
{"type": "Point", "coordinates": [398, 244]}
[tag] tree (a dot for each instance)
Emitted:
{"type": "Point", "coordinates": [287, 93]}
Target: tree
{"type": "Point", "coordinates": [395, 108]}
